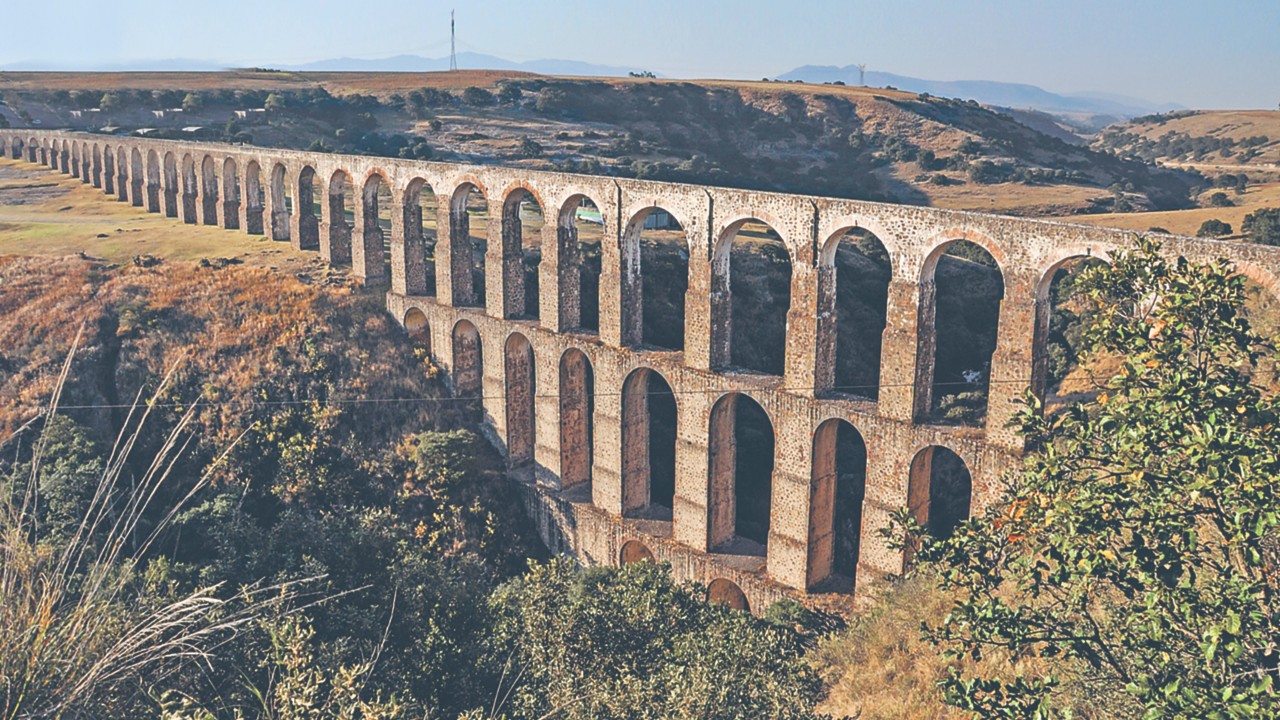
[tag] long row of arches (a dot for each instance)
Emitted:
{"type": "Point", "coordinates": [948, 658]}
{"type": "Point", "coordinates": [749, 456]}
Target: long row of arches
{"type": "Point", "coordinates": [741, 455]}
{"type": "Point", "coordinates": [390, 228]}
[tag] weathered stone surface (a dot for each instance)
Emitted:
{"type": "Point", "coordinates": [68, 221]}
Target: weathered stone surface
{"type": "Point", "coordinates": [569, 408]}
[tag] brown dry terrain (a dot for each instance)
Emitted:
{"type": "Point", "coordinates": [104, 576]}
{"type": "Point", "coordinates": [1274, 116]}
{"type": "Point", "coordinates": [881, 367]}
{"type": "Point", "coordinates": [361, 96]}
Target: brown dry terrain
{"type": "Point", "coordinates": [866, 143]}
{"type": "Point", "coordinates": [1144, 136]}
{"type": "Point", "coordinates": [1187, 222]}
{"type": "Point", "coordinates": [46, 213]}
{"type": "Point", "coordinates": [338, 83]}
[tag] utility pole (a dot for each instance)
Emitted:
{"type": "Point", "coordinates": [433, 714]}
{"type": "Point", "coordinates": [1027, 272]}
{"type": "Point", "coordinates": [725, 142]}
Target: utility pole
{"type": "Point", "coordinates": [453, 43]}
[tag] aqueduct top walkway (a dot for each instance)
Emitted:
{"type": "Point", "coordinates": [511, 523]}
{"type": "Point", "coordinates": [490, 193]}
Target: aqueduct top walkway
{"type": "Point", "coordinates": [571, 403]}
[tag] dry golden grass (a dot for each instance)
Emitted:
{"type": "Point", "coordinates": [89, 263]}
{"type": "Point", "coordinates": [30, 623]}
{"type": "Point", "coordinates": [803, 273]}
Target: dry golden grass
{"type": "Point", "coordinates": [1187, 222]}
{"type": "Point", "coordinates": [1234, 124]}
{"type": "Point", "coordinates": [62, 216]}
{"type": "Point", "coordinates": [880, 668]}
{"type": "Point", "coordinates": [375, 83]}
{"type": "Point", "coordinates": [1013, 198]}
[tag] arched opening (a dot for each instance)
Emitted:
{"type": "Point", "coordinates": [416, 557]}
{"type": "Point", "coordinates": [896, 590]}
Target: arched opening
{"type": "Point", "coordinates": [835, 503]}
{"type": "Point", "coordinates": [468, 365]}
{"type": "Point", "coordinates": [122, 175]}
{"type": "Point", "coordinates": [65, 164]}
{"type": "Point", "coordinates": [190, 191]}
{"type": "Point", "coordinates": [108, 170]}
{"type": "Point", "coordinates": [634, 551]}
{"type": "Point", "coordinates": [959, 320]}
{"type": "Point", "coordinates": [16, 148]}
{"type": "Point", "coordinates": [136, 178]}
{"type": "Point", "coordinates": [341, 217]}
{"type": "Point", "coordinates": [469, 217]}
{"type": "Point", "coordinates": [153, 181]}
{"type": "Point", "coordinates": [1061, 317]}
{"type": "Point", "coordinates": [419, 330]}
{"type": "Point", "coordinates": [577, 412]}
{"type": "Point", "coordinates": [307, 207]}
{"type": "Point", "coordinates": [254, 198]}
{"type": "Point", "coordinates": [653, 293]}
{"type": "Point", "coordinates": [208, 191]}
{"type": "Point", "coordinates": [522, 222]}
{"type": "Point", "coordinates": [521, 389]}
{"type": "Point", "coordinates": [44, 154]}
{"type": "Point", "coordinates": [741, 476]}
{"type": "Point", "coordinates": [375, 206]}
{"type": "Point", "coordinates": [579, 233]}
{"type": "Point", "coordinates": [752, 265]}
{"type": "Point", "coordinates": [939, 491]}
{"type": "Point", "coordinates": [281, 203]}
{"type": "Point", "coordinates": [170, 185]}
{"type": "Point", "coordinates": [648, 445]}
{"type": "Point", "coordinates": [420, 216]}
{"type": "Point", "coordinates": [86, 163]}
{"type": "Point", "coordinates": [727, 593]}
{"type": "Point", "coordinates": [853, 279]}
{"type": "Point", "coordinates": [230, 195]}
{"type": "Point", "coordinates": [33, 148]}
{"type": "Point", "coordinates": [95, 175]}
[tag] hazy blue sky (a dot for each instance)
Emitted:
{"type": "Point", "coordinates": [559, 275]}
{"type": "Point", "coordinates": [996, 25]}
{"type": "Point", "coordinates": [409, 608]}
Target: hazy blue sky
{"type": "Point", "coordinates": [1201, 53]}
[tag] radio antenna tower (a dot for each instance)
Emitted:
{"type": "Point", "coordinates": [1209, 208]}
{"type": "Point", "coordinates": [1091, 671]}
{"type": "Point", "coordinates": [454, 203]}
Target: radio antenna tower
{"type": "Point", "coordinates": [453, 44]}
{"type": "Point", "coordinates": [862, 74]}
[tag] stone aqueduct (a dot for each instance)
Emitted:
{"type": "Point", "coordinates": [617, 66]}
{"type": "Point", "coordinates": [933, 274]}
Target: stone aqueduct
{"type": "Point", "coordinates": [580, 445]}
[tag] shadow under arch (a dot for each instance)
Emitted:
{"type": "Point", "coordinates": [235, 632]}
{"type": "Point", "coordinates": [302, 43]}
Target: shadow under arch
{"type": "Point", "coordinates": [634, 551]}
{"type": "Point", "coordinates": [837, 490]}
{"type": "Point", "coordinates": [523, 218]}
{"type": "Point", "coordinates": [654, 280]}
{"type": "Point", "coordinates": [521, 389]}
{"type": "Point", "coordinates": [467, 252]}
{"type": "Point", "coordinates": [649, 417]}
{"type": "Point", "coordinates": [726, 592]}
{"type": "Point", "coordinates": [577, 412]}
{"type": "Point", "coordinates": [418, 329]}
{"type": "Point", "coordinates": [958, 322]}
{"type": "Point", "coordinates": [751, 271]}
{"type": "Point", "coordinates": [579, 237]}
{"type": "Point", "coordinates": [421, 210]}
{"type": "Point", "coordinates": [854, 273]}
{"type": "Point", "coordinates": [939, 490]}
{"type": "Point", "coordinates": [740, 476]}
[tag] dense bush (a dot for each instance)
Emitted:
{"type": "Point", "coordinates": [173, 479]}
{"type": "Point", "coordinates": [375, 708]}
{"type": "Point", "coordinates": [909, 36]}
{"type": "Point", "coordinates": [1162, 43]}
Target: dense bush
{"type": "Point", "coordinates": [1262, 226]}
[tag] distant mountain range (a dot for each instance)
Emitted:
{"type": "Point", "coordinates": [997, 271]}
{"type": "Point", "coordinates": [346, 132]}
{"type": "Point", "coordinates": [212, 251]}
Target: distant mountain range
{"type": "Point", "coordinates": [1084, 108]}
{"type": "Point", "coordinates": [466, 61]}
{"type": "Point", "coordinates": [989, 92]}
{"type": "Point", "coordinates": [398, 63]}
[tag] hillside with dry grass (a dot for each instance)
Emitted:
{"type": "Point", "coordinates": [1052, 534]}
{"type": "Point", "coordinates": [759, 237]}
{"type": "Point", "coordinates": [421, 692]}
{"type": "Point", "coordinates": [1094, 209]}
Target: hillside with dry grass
{"type": "Point", "coordinates": [832, 140]}
{"type": "Point", "coordinates": [1212, 141]}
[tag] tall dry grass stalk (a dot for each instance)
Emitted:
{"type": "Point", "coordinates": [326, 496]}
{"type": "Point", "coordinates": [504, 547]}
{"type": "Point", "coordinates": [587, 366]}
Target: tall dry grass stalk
{"type": "Point", "coordinates": [81, 632]}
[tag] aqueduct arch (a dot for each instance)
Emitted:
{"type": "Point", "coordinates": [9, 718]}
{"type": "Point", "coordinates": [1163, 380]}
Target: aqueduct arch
{"type": "Point", "coordinates": [598, 412]}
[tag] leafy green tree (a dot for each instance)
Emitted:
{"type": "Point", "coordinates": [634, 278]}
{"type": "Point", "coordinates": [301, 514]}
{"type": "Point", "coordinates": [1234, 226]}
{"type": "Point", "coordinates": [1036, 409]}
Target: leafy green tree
{"type": "Point", "coordinates": [632, 643]}
{"type": "Point", "coordinates": [1213, 228]}
{"type": "Point", "coordinates": [1220, 199]}
{"type": "Point", "coordinates": [1135, 555]}
{"type": "Point", "coordinates": [510, 94]}
{"type": "Point", "coordinates": [1262, 226]}
{"type": "Point", "coordinates": [110, 102]}
{"type": "Point", "coordinates": [192, 102]}
{"type": "Point", "coordinates": [530, 148]}
{"type": "Point", "coordinates": [477, 97]}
